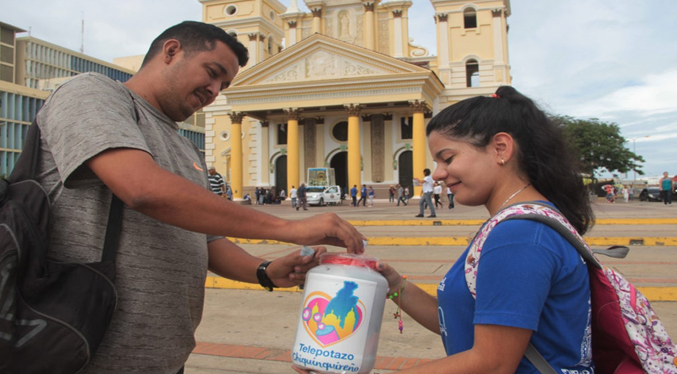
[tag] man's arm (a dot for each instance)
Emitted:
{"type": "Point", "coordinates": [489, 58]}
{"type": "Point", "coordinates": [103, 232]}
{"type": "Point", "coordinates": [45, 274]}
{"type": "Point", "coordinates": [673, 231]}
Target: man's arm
{"type": "Point", "coordinates": [134, 177]}
{"type": "Point", "coordinates": [230, 261]}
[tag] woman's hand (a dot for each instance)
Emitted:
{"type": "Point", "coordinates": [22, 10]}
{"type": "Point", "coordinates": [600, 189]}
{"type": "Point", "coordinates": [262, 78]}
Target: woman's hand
{"type": "Point", "coordinates": [392, 276]}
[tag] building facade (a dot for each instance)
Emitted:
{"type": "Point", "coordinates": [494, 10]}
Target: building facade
{"type": "Point", "coordinates": [30, 69]}
{"type": "Point", "coordinates": [41, 61]}
{"type": "Point", "coordinates": [344, 86]}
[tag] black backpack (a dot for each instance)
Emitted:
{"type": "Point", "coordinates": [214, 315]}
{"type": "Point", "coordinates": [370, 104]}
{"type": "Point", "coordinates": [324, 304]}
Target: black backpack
{"type": "Point", "coordinates": [53, 315]}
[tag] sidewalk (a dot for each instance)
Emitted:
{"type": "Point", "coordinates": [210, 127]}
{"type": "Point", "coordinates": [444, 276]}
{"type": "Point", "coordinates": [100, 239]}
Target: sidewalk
{"type": "Point", "coordinates": [251, 331]}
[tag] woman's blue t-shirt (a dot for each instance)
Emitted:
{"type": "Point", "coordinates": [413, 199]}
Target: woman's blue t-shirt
{"type": "Point", "coordinates": [529, 277]}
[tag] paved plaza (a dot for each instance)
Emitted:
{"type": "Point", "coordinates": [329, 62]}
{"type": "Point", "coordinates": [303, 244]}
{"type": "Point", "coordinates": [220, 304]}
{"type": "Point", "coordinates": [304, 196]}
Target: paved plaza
{"type": "Point", "coordinates": [248, 330]}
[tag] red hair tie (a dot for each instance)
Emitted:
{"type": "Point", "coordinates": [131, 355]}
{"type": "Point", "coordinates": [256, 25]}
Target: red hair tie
{"type": "Point", "coordinates": [495, 96]}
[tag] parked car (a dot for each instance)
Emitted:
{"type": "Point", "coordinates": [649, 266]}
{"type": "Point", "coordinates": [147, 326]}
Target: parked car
{"type": "Point", "coordinates": [654, 194]}
{"type": "Point", "coordinates": [320, 195]}
{"type": "Point", "coordinates": [650, 194]}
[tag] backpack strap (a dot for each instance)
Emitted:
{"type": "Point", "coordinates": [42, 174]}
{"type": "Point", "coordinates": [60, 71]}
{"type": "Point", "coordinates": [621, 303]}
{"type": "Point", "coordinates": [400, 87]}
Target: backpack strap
{"type": "Point", "coordinates": [112, 236]}
{"type": "Point", "coordinates": [539, 362]}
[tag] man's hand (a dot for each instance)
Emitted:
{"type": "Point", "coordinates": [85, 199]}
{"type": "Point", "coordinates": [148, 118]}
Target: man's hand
{"type": "Point", "coordinates": [326, 228]}
{"type": "Point", "coordinates": [290, 270]}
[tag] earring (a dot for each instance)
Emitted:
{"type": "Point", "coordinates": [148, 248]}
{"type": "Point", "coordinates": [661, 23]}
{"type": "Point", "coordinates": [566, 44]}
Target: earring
{"type": "Point", "coordinates": [502, 162]}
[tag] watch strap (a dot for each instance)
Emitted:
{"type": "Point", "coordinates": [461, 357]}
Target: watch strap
{"type": "Point", "coordinates": [261, 275]}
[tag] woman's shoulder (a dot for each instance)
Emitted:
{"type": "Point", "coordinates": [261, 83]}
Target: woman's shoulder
{"type": "Point", "coordinates": [524, 232]}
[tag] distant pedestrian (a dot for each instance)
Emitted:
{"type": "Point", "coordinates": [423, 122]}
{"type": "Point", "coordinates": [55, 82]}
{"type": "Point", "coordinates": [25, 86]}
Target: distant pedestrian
{"type": "Point", "coordinates": [406, 194]}
{"type": "Point", "coordinates": [257, 193]}
{"type": "Point", "coordinates": [216, 182]}
{"type": "Point", "coordinates": [427, 190]}
{"type": "Point", "coordinates": [437, 192]}
{"type": "Point", "coordinates": [450, 196]}
{"type": "Point", "coordinates": [391, 194]}
{"type": "Point", "coordinates": [353, 194]}
{"type": "Point", "coordinates": [400, 195]}
{"type": "Point", "coordinates": [370, 191]}
{"type": "Point", "coordinates": [293, 197]}
{"type": "Point", "coordinates": [667, 186]}
{"type": "Point", "coordinates": [301, 194]}
{"type": "Point", "coordinates": [363, 196]}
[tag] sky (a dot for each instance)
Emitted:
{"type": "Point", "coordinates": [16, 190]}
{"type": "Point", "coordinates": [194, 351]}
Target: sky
{"type": "Point", "coordinates": [611, 60]}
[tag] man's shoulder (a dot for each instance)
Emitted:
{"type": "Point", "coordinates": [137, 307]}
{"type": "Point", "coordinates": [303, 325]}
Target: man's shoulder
{"type": "Point", "coordinates": [87, 86]}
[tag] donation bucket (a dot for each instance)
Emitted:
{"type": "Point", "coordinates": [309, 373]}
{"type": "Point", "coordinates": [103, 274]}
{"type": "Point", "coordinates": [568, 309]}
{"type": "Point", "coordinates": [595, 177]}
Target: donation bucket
{"type": "Point", "coordinates": [341, 315]}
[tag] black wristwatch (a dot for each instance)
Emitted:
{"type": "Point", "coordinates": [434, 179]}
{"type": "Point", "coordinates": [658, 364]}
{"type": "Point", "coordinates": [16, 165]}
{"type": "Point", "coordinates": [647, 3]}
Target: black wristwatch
{"type": "Point", "coordinates": [264, 281]}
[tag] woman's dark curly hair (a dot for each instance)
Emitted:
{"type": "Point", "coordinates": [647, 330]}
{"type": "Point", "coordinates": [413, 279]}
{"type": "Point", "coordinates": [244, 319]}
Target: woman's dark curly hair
{"type": "Point", "coordinates": [542, 151]}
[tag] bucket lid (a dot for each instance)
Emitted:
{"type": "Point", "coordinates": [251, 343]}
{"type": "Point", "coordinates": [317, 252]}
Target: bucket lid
{"type": "Point", "coordinates": [349, 259]}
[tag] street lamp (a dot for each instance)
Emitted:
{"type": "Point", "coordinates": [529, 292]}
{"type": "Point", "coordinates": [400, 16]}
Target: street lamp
{"type": "Point", "coordinates": [634, 180]}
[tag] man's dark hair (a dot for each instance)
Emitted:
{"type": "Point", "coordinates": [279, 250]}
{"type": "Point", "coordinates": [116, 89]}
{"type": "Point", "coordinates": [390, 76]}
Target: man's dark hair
{"type": "Point", "coordinates": [197, 37]}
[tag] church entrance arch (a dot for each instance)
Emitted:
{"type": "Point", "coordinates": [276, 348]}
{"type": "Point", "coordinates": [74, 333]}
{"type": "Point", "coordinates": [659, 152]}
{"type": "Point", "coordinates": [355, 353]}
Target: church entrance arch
{"type": "Point", "coordinates": [405, 169]}
{"type": "Point", "coordinates": [339, 162]}
{"type": "Point", "coordinates": [281, 175]}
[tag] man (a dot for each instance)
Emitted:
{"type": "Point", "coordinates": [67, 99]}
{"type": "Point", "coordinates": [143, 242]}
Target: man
{"type": "Point", "coordinates": [363, 196]}
{"type": "Point", "coordinates": [353, 194]}
{"type": "Point", "coordinates": [437, 191]}
{"type": "Point", "coordinates": [293, 195]}
{"type": "Point", "coordinates": [216, 182]}
{"type": "Point", "coordinates": [667, 186]}
{"type": "Point", "coordinates": [303, 199]}
{"type": "Point", "coordinates": [101, 136]}
{"type": "Point", "coordinates": [426, 198]}
{"type": "Point", "coordinates": [400, 195]}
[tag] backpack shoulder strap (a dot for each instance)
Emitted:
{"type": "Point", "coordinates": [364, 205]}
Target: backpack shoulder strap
{"type": "Point", "coordinates": [534, 211]}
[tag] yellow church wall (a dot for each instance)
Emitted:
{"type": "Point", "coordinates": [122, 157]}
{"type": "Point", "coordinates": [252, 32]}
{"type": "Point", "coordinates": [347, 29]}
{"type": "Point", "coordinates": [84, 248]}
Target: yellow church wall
{"type": "Point", "coordinates": [216, 12]}
{"type": "Point", "coordinates": [219, 125]}
{"type": "Point", "coordinates": [478, 40]}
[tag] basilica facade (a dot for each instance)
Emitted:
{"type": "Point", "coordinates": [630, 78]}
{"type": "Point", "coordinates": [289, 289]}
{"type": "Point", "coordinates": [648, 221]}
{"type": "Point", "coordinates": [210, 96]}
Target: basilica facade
{"type": "Point", "coordinates": [344, 86]}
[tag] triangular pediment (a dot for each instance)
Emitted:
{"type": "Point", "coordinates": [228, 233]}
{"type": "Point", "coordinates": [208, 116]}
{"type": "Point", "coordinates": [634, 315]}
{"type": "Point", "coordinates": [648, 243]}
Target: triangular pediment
{"type": "Point", "coordinates": [319, 58]}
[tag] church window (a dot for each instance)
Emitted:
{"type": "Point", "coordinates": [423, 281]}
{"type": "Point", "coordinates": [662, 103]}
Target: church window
{"type": "Point", "coordinates": [340, 131]}
{"type": "Point", "coordinates": [472, 73]}
{"type": "Point", "coordinates": [230, 10]}
{"type": "Point", "coordinates": [406, 127]}
{"type": "Point", "coordinates": [469, 18]}
{"type": "Point", "coordinates": [282, 134]}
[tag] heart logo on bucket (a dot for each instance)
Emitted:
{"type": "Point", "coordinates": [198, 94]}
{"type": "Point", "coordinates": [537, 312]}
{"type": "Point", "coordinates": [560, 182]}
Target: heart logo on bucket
{"type": "Point", "coordinates": [330, 320]}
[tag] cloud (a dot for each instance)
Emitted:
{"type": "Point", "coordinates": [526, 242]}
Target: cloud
{"type": "Point", "coordinates": [650, 95]}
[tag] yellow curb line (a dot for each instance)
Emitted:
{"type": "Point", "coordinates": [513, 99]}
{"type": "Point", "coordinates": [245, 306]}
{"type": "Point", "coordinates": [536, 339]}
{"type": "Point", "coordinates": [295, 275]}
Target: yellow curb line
{"type": "Point", "coordinates": [464, 241]}
{"type": "Point", "coordinates": [479, 222]}
{"type": "Point", "coordinates": [651, 293]}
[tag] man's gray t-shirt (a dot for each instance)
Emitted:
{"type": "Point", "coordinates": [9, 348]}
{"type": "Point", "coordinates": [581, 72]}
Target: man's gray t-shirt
{"type": "Point", "coordinates": [161, 269]}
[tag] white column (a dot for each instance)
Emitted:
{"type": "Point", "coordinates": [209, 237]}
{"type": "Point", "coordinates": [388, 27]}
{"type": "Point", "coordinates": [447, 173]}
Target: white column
{"type": "Point", "coordinates": [443, 31]}
{"type": "Point", "coordinates": [253, 50]}
{"type": "Point", "coordinates": [369, 39]}
{"type": "Point", "coordinates": [262, 47]}
{"type": "Point", "coordinates": [499, 48]}
{"type": "Point", "coordinates": [292, 33]}
{"type": "Point", "coordinates": [399, 45]}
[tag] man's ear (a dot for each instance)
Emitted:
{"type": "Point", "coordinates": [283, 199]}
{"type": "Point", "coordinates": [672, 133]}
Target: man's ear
{"type": "Point", "coordinates": [170, 49]}
{"type": "Point", "coordinates": [503, 147]}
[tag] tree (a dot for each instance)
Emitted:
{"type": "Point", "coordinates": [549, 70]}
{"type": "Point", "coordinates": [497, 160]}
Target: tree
{"type": "Point", "coordinates": [599, 145]}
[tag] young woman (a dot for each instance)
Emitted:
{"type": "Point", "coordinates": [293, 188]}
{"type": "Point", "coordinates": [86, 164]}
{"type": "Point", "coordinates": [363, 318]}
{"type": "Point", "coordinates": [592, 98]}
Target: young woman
{"type": "Point", "coordinates": [531, 286]}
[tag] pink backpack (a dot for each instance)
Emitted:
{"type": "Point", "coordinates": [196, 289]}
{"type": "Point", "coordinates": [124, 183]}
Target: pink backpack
{"type": "Point", "coordinates": [627, 336]}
